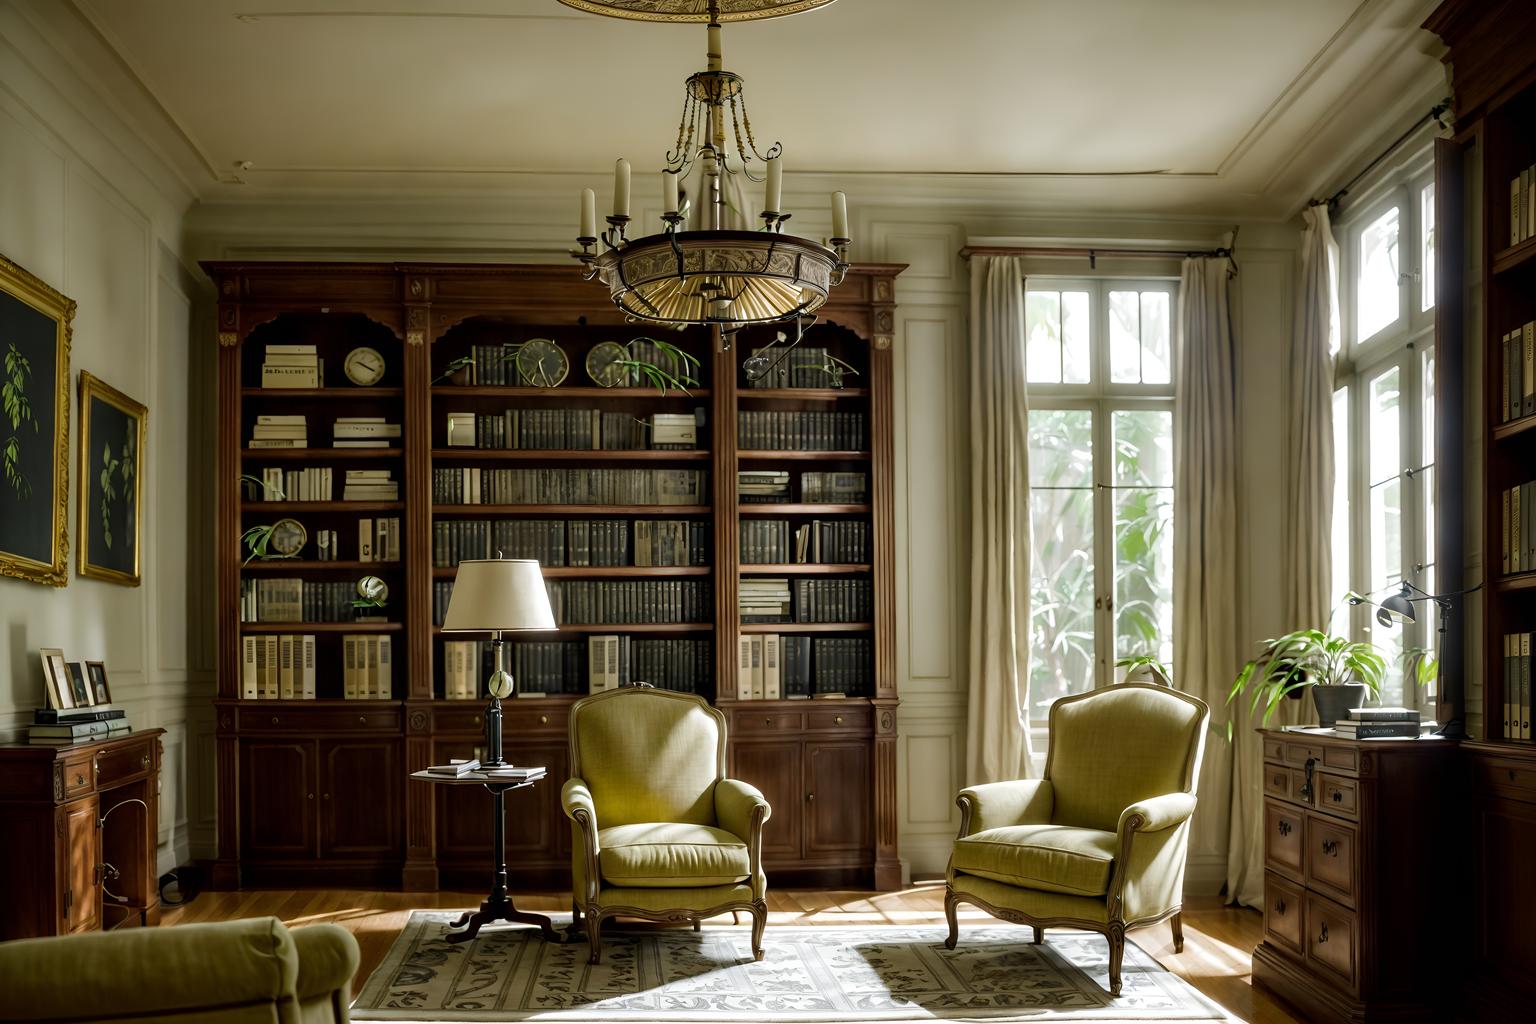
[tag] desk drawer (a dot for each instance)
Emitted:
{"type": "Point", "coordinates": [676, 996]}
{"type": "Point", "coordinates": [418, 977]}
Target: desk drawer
{"type": "Point", "coordinates": [1283, 924]}
{"type": "Point", "coordinates": [1506, 777]}
{"type": "Point", "coordinates": [745, 722]}
{"type": "Point", "coordinates": [1332, 858]}
{"type": "Point", "coordinates": [1284, 828]}
{"type": "Point", "coordinates": [79, 777]}
{"type": "Point", "coordinates": [1277, 782]}
{"type": "Point", "coordinates": [854, 717]}
{"type": "Point", "coordinates": [113, 766]}
{"type": "Point", "coordinates": [1300, 753]}
{"type": "Point", "coordinates": [1337, 795]}
{"type": "Point", "coordinates": [1333, 938]}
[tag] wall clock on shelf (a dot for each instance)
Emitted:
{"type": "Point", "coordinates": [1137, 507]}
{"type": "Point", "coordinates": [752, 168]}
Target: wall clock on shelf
{"type": "Point", "coordinates": [364, 367]}
{"type": "Point", "coordinates": [287, 538]}
{"type": "Point", "coordinates": [542, 364]}
{"type": "Point", "coordinates": [604, 364]}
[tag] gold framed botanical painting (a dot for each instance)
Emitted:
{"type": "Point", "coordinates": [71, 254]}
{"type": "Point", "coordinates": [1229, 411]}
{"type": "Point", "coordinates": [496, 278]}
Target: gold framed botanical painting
{"type": "Point", "coordinates": [34, 427]}
{"type": "Point", "coordinates": [112, 427]}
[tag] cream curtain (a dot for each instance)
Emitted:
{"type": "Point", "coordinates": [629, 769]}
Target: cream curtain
{"type": "Point", "coordinates": [1308, 544]}
{"type": "Point", "coordinates": [1205, 567]}
{"type": "Point", "coordinates": [997, 728]}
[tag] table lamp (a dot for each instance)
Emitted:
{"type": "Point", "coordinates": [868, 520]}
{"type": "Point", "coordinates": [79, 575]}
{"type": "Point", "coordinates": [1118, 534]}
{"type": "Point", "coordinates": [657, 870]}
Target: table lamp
{"type": "Point", "coordinates": [496, 596]}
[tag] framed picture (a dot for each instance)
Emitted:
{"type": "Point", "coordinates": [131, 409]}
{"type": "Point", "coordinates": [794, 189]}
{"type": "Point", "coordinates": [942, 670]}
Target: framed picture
{"type": "Point", "coordinates": [34, 427]}
{"type": "Point", "coordinates": [111, 467]}
{"type": "Point", "coordinates": [79, 686]}
{"type": "Point", "coordinates": [96, 676]}
{"type": "Point", "coordinates": [58, 692]}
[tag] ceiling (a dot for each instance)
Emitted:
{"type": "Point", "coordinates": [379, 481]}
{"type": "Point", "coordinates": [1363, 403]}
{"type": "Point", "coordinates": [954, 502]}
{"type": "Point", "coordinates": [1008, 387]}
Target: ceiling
{"type": "Point", "coordinates": [276, 96]}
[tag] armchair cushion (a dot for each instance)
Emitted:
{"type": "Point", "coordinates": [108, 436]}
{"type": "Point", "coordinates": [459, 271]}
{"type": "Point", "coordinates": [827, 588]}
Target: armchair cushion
{"type": "Point", "coordinates": [1052, 858]}
{"type": "Point", "coordinates": [671, 855]}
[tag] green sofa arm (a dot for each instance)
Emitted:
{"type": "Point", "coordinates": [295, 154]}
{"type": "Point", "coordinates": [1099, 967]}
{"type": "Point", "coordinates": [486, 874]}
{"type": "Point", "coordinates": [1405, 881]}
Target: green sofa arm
{"type": "Point", "coordinates": [996, 804]}
{"type": "Point", "coordinates": [1157, 813]}
{"type": "Point", "coordinates": [328, 960]}
{"type": "Point", "coordinates": [736, 806]}
{"type": "Point", "coordinates": [195, 971]}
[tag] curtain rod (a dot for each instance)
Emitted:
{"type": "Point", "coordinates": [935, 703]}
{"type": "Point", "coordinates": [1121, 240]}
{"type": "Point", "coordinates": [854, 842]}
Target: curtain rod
{"type": "Point", "coordinates": [1094, 252]}
{"type": "Point", "coordinates": [1435, 112]}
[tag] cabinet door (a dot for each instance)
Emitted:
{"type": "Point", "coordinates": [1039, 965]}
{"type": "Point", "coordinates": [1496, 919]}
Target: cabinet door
{"type": "Point", "coordinates": [80, 853]}
{"type": "Point", "coordinates": [837, 797]}
{"type": "Point", "coordinates": [360, 784]}
{"type": "Point", "coordinates": [775, 768]}
{"type": "Point", "coordinates": [277, 805]}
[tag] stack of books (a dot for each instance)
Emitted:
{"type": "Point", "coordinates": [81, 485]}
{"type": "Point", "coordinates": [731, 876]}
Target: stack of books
{"type": "Point", "coordinates": [291, 366]}
{"type": "Point", "coordinates": [367, 667]}
{"type": "Point", "coordinates": [1380, 724]}
{"type": "Point", "coordinates": [280, 432]}
{"type": "Point", "coordinates": [312, 483]}
{"type": "Point", "coordinates": [364, 432]}
{"type": "Point", "coordinates": [764, 600]}
{"type": "Point", "coordinates": [763, 486]}
{"type": "Point", "coordinates": [455, 767]}
{"type": "Point", "coordinates": [515, 774]}
{"type": "Point", "coordinates": [53, 727]}
{"type": "Point", "coordinates": [370, 485]}
{"type": "Point", "coordinates": [278, 667]}
{"type": "Point", "coordinates": [834, 488]}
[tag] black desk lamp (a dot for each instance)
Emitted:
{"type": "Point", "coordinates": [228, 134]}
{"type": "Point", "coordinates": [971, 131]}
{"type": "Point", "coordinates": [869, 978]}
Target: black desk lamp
{"type": "Point", "coordinates": [1399, 608]}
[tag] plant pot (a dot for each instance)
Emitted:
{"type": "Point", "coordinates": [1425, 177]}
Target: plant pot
{"type": "Point", "coordinates": [1335, 702]}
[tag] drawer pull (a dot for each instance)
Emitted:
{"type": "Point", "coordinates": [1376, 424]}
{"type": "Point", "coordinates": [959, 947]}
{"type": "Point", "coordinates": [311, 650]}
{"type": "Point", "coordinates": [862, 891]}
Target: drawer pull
{"type": "Point", "coordinates": [1280, 907]}
{"type": "Point", "coordinates": [325, 796]}
{"type": "Point", "coordinates": [543, 719]}
{"type": "Point", "coordinates": [311, 796]}
{"type": "Point", "coordinates": [838, 720]}
{"type": "Point", "coordinates": [79, 780]}
{"type": "Point", "coordinates": [1338, 796]}
{"type": "Point", "coordinates": [274, 719]}
{"type": "Point", "coordinates": [768, 722]}
{"type": "Point", "coordinates": [1285, 828]}
{"type": "Point", "coordinates": [1322, 934]}
{"type": "Point", "coordinates": [1306, 787]}
{"type": "Point", "coordinates": [144, 761]}
{"type": "Point", "coordinates": [1331, 847]}
{"type": "Point", "coordinates": [362, 719]}
{"type": "Point", "coordinates": [1279, 780]}
{"type": "Point", "coordinates": [477, 719]}
{"type": "Point", "coordinates": [810, 797]}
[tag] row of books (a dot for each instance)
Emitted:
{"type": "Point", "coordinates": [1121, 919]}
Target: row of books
{"type": "Point", "coordinates": [1522, 206]}
{"type": "Point", "coordinates": [1517, 686]}
{"type": "Point", "coordinates": [292, 599]}
{"type": "Point", "coordinates": [793, 430]}
{"type": "Point", "coordinates": [772, 486]}
{"type": "Point", "coordinates": [1518, 374]}
{"type": "Point", "coordinates": [292, 431]}
{"type": "Point", "coordinates": [470, 486]}
{"type": "Point", "coordinates": [1380, 724]}
{"type": "Point", "coordinates": [575, 430]}
{"type": "Point", "coordinates": [367, 666]}
{"type": "Point", "coordinates": [597, 663]}
{"type": "Point", "coordinates": [686, 666]}
{"type": "Point", "coordinates": [370, 485]}
{"type": "Point", "coordinates": [774, 667]}
{"type": "Point", "coordinates": [821, 541]}
{"type": "Point", "coordinates": [59, 728]}
{"type": "Point", "coordinates": [810, 600]}
{"type": "Point", "coordinates": [804, 366]}
{"type": "Point", "coordinates": [611, 602]}
{"type": "Point", "coordinates": [1517, 507]}
{"type": "Point", "coordinates": [599, 543]}
{"type": "Point", "coordinates": [278, 667]}
{"type": "Point", "coordinates": [291, 366]}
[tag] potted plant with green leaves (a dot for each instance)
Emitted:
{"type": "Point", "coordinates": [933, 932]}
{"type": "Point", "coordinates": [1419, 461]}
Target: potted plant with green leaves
{"type": "Point", "coordinates": [1340, 673]}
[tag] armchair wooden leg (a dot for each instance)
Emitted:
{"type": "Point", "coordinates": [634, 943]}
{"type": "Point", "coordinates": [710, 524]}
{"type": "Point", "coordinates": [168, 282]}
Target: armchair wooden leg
{"type": "Point", "coordinates": [1116, 936]}
{"type": "Point", "coordinates": [1039, 935]}
{"type": "Point", "coordinates": [594, 937]}
{"type": "Point", "coordinates": [951, 904]}
{"type": "Point", "coordinates": [759, 922]}
{"type": "Point", "coordinates": [735, 917]}
{"type": "Point", "coordinates": [576, 921]}
{"type": "Point", "coordinates": [698, 923]}
{"type": "Point", "coordinates": [1177, 921]}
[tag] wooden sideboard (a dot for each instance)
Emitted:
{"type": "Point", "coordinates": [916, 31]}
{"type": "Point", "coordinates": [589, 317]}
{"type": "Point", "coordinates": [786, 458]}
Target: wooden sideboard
{"type": "Point", "coordinates": [71, 817]}
{"type": "Point", "coordinates": [1360, 861]}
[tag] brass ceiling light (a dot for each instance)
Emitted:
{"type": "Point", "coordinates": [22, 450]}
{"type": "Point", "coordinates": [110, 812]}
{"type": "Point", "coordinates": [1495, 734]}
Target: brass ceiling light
{"type": "Point", "coordinates": [716, 276]}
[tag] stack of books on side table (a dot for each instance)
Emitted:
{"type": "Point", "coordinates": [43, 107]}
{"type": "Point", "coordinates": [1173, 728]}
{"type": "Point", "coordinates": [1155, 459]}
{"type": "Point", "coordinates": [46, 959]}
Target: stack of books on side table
{"type": "Point", "coordinates": [59, 728]}
{"type": "Point", "coordinates": [1381, 724]}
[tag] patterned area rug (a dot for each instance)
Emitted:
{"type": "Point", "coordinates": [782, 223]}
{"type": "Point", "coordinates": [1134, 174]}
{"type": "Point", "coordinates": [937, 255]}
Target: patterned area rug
{"type": "Point", "coordinates": [812, 975]}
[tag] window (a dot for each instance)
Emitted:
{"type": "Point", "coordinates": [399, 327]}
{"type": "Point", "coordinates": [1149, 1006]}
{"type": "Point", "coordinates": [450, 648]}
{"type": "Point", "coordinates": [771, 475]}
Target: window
{"type": "Point", "coordinates": [1383, 530]}
{"type": "Point", "coordinates": [1099, 357]}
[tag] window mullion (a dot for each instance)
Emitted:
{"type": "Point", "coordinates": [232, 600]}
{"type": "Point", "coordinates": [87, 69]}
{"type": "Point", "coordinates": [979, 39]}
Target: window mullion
{"type": "Point", "coordinates": [1103, 547]}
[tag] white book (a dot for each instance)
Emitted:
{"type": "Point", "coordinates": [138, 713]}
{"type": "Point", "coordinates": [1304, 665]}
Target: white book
{"type": "Point", "coordinates": [744, 668]}
{"type": "Point", "coordinates": [269, 683]}
{"type": "Point", "coordinates": [365, 540]}
{"type": "Point", "coordinates": [757, 667]}
{"type": "Point", "coordinates": [272, 421]}
{"type": "Point", "coordinates": [349, 667]}
{"type": "Point", "coordinates": [307, 667]}
{"type": "Point", "coordinates": [285, 667]}
{"type": "Point", "coordinates": [248, 652]}
{"type": "Point", "coordinates": [772, 689]}
{"type": "Point", "coordinates": [291, 349]}
{"type": "Point", "coordinates": [384, 674]}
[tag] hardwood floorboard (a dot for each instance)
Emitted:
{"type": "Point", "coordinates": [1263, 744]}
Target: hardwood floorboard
{"type": "Point", "coordinates": [1218, 940]}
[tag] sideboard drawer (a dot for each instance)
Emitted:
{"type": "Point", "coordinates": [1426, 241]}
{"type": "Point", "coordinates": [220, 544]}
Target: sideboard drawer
{"type": "Point", "coordinates": [113, 766]}
{"type": "Point", "coordinates": [1283, 828]}
{"type": "Point", "coordinates": [1282, 911]}
{"type": "Point", "coordinates": [1332, 856]}
{"type": "Point", "coordinates": [1342, 758]}
{"type": "Point", "coordinates": [758, 722]}
{"type": "Point", "coordinates": [1301, 753]}
{"type": "Point", "coordinates": [1506, 777]}
{"type": "Point", "coordinates": [291, 719]}
{"type": "Point", "coordinates": [853, 716]}
{"type": "Point", "coordinates": [79, 777]}
{"type": "Point", "coordinates": [1337, 795]}
{"type": "Point", "coordinates": [1277, 782]}
{"type": "Point", "coordinates": [1332, 938]}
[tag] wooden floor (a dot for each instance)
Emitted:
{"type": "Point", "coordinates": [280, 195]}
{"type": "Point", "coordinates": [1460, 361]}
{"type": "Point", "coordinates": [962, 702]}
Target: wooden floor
{"type": "Point", "coordinates": [1218, 940]}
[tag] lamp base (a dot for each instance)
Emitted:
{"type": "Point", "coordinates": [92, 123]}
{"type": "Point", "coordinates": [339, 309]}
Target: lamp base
{"type": "Point", "coordinates": [492, 758]}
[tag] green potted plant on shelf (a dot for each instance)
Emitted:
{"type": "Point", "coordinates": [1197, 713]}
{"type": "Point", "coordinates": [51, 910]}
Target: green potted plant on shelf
{"type": "Point", "coordinates": [1340, 673]}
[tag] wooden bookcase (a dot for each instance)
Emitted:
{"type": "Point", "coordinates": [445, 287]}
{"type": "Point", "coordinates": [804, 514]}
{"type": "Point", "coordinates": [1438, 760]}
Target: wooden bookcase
{"type": "Point", "coordinates": [315, 791]}
{"type": "Point", "coordinates": [1492, 55]}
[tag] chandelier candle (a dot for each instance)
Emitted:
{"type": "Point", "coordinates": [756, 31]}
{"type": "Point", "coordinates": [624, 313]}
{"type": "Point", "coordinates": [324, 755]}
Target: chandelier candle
{"type": "Point", "coordinates": [621, 188]}
{"type": "Point", "coordinates": [775, 188]}
{"type": "Point", "coordinates": [669, 191]}
{"type": "Point", "coordinates": [839, 217]}
{"type": "Point", "coordinates": [588, 214]}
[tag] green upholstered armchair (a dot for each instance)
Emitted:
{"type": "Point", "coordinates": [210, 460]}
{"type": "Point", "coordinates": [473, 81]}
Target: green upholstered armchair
{"type": "Point", "coordinates": [1100, 841]}
{"type": "Point", "coordinates": [658, 831]}
{"type": "Point", "coordinates": [234, 972]}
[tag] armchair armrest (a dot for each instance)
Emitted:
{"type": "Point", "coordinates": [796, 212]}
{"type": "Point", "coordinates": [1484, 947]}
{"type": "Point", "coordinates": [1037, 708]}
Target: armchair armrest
{"type": "Point", "coordinates": [995, 804]}
{"type": "Point", "coordinates": [736, 809]}
{"type": "Point", "coordinates": [1157, 813]}
{"type": "Point", "coordinates": [328, 958]}
{"type": "Point", "coordinates": [576, 801]}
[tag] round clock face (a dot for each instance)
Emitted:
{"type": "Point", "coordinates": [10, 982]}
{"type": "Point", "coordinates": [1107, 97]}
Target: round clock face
{"type": "Point", "coordinates": [541, 363]}
{"type": "Point", "coordinates": [602, 364]}
{"type": "Point", "coordinates": [371, 588]}
{"type": "Point", "coordinates": [288, 537]}
{"type": "Point", "coordinates": [364, 367]}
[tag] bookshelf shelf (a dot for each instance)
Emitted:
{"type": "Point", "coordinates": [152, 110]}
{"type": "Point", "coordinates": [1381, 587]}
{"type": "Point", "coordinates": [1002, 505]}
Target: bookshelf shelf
{"type": "Point", "coordinates": [806, 627]}
{"type": "Point", "coordinates": [294, 507]}
{"type": "Point", "coordinates": [322, 393]}
{"type": "Point", "coordinates": [326, 454]}
{"type": "Point", "coordinates": [634, 627]}
{"type": "Point", "coordinates": [443, 511]}
{"type": "Point", "coordinates": [570, 572]}
{"type": "Point", "coordinates": [801, 568]}
{"type": "Point", "coordinates": [1514, 257]}
{"type": "Point", "coordinates": [759, 454]}
{"type": "Point", "coordinates": [569, 454]}
{"type": "Point", "coordinates": [495, 391]}
{"type": "Point", "coordinates": [321, 627]}
{"type": "Point", "coordinates": [1514, 428]}
{"type": "Point", "coordinates": [802, 510]}
{"type": "Point", "coordinates": [292, 565]}
{"type": "Point", "coordinates": [1511, 584]}
{"type": "Point", "coordinates": [803, 394]}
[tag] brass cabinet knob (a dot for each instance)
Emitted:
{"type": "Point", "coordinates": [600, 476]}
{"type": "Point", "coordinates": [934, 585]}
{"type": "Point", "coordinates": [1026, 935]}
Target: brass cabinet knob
{"type": "Point", "coordinates": [362, 719]}
{"type": "Point", "coordinates": [768, 722]}
{"type": "Point", "coordinates": [838, 720]}
{"type": "Point", "coordinates": [325, 796]}
{"type": "Point", "coordinates": [311, 796]}
{"type": "Point", "coordinates": [809, 797]}
{"type": "Point", "coordinates": [144, 761]}
{"type": "Point", "coordinates": [274, 719]}
{"type": "Point", "coordinates": [477, 719]}
{"type": "Point", "coordinates": [543, 719]}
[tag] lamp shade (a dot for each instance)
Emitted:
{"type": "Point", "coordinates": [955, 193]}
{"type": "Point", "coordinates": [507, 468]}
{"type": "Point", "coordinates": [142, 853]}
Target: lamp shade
{"type": "Point", "coordinates": [1394, 609]}
{"type": "Point", "coordinates": [498, 594]}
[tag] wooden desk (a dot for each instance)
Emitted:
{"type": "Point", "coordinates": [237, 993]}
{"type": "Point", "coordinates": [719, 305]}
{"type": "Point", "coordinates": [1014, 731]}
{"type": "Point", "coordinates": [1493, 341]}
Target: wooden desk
{"type": "Point", "coordinates": [66, 814]}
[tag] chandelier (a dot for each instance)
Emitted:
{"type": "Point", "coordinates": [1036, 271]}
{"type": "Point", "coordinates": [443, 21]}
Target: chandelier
{"type": "Point", "coordinates": [713, 276]}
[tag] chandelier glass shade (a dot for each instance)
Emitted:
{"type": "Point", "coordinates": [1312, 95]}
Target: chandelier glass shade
{"type": "Point", "coordinates": [711, 275]}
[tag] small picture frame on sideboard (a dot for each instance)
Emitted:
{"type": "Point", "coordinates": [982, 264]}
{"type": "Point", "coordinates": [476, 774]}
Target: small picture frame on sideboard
{"type": "Point", "coordinates": [58, 692]}
{"type": "Point", "coordinates": [80, 686]}
{"type": "Point", "coordinates": [96, 677]}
